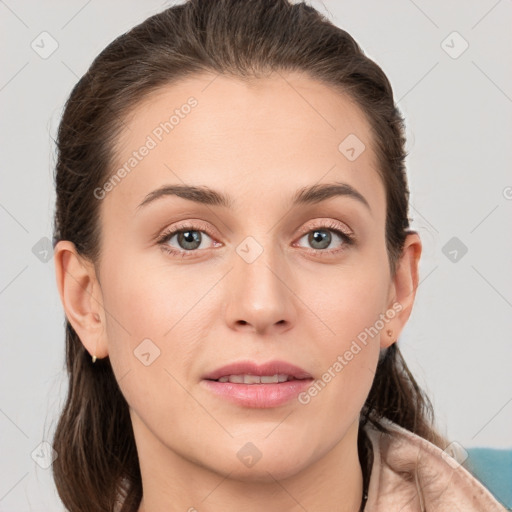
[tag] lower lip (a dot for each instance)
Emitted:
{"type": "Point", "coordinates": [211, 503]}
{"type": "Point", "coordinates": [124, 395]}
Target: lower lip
{"type": "Point", "coordinates": [258, 395]}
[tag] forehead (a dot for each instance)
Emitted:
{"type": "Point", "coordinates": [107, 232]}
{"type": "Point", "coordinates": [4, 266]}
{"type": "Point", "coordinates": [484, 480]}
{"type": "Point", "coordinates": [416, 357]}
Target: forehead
{"type": "Point", "coordinates": [268, 136]}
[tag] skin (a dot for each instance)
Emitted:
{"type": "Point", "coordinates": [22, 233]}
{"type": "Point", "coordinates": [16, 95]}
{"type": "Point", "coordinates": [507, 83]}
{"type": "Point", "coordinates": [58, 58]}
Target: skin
{"type": "Point", "coordinates": [259, 142]}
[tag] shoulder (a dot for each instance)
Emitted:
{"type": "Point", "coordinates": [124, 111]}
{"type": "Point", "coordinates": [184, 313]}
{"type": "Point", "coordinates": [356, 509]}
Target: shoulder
{"type": "Point", "coordinates": [411, 474]}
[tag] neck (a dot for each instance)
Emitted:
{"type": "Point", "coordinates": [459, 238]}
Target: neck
{"type": "Point", "coordinates": [171, 482]}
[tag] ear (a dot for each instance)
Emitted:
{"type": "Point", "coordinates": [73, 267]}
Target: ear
{"type": "Point", "coordinates": [403, 288]}
{"type": "Point", "coordinates": [80, 294]}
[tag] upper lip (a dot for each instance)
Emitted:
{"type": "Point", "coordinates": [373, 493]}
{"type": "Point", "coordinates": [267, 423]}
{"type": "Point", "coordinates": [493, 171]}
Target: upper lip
{"type": "Point", "coordinates": [253, 368]}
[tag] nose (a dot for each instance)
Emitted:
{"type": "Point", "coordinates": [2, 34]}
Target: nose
{"type": "Point", "coordinates": [259, 292]}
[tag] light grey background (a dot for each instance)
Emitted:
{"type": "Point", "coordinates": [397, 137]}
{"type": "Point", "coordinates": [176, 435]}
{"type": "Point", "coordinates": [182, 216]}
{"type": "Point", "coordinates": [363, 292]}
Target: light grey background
{"type": "Point", "coordinates": [458, 113]}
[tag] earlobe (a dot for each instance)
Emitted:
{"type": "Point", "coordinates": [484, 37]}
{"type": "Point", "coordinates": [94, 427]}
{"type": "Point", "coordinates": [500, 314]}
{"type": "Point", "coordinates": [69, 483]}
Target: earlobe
{"type": "Point", "coordinates": [403, 289]}
{"type": "Point", "coordinates": [80, 294]}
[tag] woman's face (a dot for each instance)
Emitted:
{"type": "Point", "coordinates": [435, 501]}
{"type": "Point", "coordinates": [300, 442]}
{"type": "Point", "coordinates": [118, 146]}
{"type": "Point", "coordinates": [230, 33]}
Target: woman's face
{"type": "Point", "coordinates": [269, 276]}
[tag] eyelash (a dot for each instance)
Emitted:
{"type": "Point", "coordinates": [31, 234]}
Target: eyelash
{"type": "Point", "coordinates": [162, 240]}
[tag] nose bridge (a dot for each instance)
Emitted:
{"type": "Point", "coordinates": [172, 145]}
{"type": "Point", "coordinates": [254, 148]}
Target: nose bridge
{"type": "Point", "coordinates": [259, 290]}
{"type": "Point", "coordinates": [258, 264]}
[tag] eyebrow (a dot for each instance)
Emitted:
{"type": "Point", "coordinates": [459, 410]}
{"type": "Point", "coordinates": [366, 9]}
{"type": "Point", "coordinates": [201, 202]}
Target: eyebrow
{"type": "Point", "coordinates": [204, 195]}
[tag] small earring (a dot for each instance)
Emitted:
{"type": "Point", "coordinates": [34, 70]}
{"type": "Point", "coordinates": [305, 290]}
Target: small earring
{"type": "Point", "coordinates": [389, 332]}
{"type": "Point", "coordinates": [95, 347]}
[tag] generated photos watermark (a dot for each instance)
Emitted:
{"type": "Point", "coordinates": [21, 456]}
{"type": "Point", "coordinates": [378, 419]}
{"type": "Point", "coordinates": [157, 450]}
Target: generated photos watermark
{"type": "Point", "coordinates": [152, 140]}
{"type": "Point", "coordinates": [344, 359]}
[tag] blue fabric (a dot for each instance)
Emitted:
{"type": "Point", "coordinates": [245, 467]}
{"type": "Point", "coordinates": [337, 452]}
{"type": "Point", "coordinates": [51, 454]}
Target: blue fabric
{"type": "Point", "coordinates": [493, 468]}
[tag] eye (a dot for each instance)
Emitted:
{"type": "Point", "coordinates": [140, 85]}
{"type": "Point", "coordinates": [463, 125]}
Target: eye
{"type": "Point", "coordinates": [321, 237]}
{"type": "Point", "coordinates": [189, 239]}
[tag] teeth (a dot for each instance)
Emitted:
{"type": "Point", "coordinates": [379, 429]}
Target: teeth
{"type": "Point", "coordinates": [248, 379]}
{"type": "Point", "coordinates": [255, 379]}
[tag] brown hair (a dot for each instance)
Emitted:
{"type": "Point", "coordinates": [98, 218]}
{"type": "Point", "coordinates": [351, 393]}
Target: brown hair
{"type": "Point", "coordinates": [97, 467]}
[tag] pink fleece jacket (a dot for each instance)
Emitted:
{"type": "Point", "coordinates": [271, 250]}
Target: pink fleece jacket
{"type": "Point", "coordinates": [410, 474]}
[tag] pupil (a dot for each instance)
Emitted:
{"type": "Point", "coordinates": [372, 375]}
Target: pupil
{"type": "Point", "coordinates": [188, 238]}
{"type": "Point", "coordinates": [324, 238]}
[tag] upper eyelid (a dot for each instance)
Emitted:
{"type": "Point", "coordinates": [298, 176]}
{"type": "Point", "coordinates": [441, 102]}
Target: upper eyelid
{"type": "Point", "coordinates": [330, 225]}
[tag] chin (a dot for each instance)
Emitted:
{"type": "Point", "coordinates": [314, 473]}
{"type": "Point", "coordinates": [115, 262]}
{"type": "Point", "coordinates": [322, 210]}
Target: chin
{"type": "Point", "coordinates": [256, 462]}
{"type": "Point", "coordinates": [262, 472]}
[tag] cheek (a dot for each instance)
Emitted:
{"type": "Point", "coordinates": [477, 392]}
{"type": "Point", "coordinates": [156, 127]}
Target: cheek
{"type": "Point", "coordinates": [352, 307]}
{"type": "Point", "coordinates": [149, 299]}
{"type": "Point", "coordinates": [151, 338]}
{"type": "Point", "coordinates": [352, 300]}
{"type": "Point", "coordinates": [151, 307]}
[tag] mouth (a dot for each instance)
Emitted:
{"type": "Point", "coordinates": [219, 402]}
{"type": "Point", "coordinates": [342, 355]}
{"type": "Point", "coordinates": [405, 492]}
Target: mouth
{"type": "Point", "coordinates": [259, 386]}
{"type": "Point", "coordinates": [253, 373]}
{"type": "Point", "coordinates": [256, 379]}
